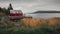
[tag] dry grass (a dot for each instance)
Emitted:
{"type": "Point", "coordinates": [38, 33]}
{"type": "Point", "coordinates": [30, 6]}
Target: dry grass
{"type": "Point", "coordinates": [54, 21]}
{"type": "Point", "coordinates": [33, 22]}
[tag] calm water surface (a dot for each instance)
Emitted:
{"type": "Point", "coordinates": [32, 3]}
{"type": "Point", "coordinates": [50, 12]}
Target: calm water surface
{"type": "Point", "coordinates": [44, 15]}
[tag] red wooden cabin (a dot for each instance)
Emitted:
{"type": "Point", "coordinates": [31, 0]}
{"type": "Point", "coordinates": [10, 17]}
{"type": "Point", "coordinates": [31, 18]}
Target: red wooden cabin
{"type": "Point", "coordinates": [15, 14]}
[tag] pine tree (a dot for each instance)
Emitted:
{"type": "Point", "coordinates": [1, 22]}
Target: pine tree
{"type": "Point", "coordinates": [10, 7]}
{"type": "Point", "coordinates": [0, 9]}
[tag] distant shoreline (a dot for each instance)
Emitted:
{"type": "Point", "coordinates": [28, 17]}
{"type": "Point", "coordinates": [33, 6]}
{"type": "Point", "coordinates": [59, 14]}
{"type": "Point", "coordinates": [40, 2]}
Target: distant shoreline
{"type": "Point", "coordinates": [45, 12]}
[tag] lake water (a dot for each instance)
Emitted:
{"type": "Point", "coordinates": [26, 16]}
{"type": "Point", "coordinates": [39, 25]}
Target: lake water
{"type": "Point", "coordinates": [44, 15]}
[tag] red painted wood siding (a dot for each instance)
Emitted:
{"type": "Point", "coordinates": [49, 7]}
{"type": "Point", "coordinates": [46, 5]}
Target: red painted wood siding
{"type": "Point", "coordinates": [19, 14]}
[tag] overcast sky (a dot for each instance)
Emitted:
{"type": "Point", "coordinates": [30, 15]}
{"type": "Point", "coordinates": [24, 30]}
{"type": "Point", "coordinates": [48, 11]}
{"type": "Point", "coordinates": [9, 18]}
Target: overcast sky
{"type": "Point", "coordinates": [32, 5]}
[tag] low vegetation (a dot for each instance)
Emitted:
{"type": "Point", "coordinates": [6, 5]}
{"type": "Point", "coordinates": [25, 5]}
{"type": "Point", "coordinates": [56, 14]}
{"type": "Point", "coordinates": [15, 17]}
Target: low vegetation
{"type": "Point", "coordinates": [54, 21]}
{"type": "Point", "coordinates": [32, 26]}
{"type": "Point", "coordinates": [33, 22]}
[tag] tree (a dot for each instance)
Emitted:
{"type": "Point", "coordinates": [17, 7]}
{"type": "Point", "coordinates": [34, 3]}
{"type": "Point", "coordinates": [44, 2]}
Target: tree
{"type": "Point", "coordinates": [0, 9]}
{"type": "Point", "coordinates": [10, 7]}
{"type": "Point", "coordinates": [4, 10]}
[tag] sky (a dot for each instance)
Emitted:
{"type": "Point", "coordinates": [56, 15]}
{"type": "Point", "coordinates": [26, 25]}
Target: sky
{"type": "Point", "coordinates": [29, 6]}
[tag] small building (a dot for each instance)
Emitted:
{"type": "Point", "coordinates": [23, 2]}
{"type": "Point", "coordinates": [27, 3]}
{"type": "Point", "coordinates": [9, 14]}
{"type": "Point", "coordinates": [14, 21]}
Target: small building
{"type": "Point", "coordinates": [15, 14]}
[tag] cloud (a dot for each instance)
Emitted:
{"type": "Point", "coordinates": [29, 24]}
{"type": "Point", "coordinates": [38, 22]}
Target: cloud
{"type": "Point", "coordinates": [32, 5]}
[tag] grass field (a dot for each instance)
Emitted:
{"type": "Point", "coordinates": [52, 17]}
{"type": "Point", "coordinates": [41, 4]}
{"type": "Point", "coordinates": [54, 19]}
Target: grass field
{"type": "Point", "coordinates": [32, 26]}
{"type": "Point", "coordinates": [39, 30]}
